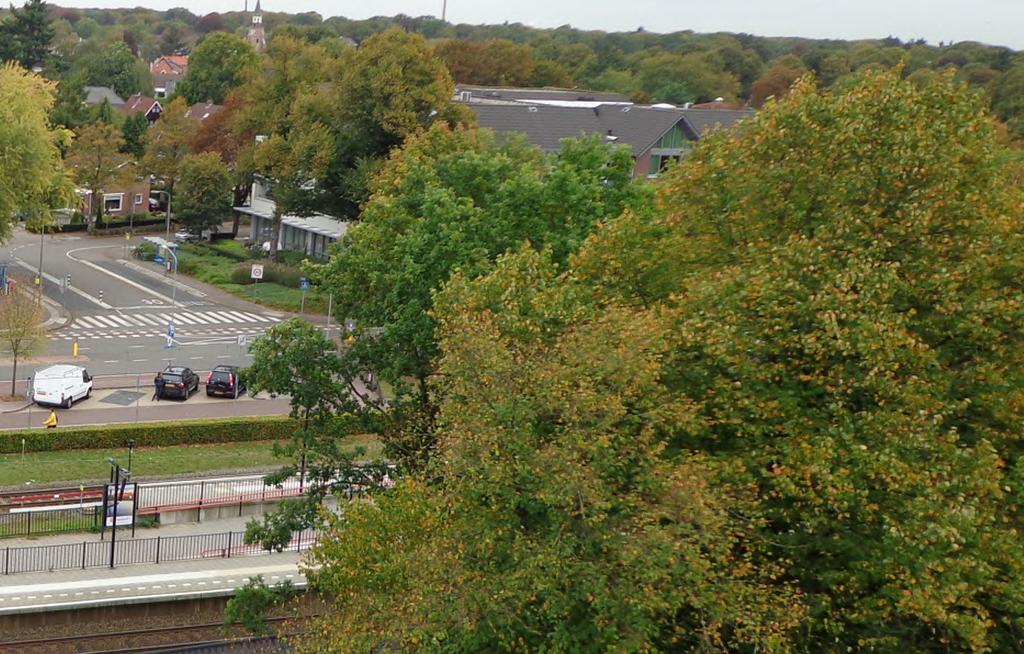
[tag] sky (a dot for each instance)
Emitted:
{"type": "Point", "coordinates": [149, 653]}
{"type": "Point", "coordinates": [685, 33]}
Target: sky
{"type": "Point", "coordinates": [996, 22]}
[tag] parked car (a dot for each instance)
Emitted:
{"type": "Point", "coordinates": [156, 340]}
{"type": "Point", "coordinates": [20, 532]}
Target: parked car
{"type": "Point", "coordinates": [185, 236]}
{"type": "Point", "coordinates": [61, 385]}
{"type": "Point", "coordinates": [225, 381]}
{"type": "Point", "coordinates": [179, 381]}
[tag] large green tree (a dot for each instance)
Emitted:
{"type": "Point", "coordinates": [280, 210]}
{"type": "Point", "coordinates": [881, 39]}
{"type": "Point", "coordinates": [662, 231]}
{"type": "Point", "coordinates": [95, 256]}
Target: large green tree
{"type": "Point", "coordinates": [204, 201]}
{"type": "Point", "coordinates": [26, 34]}
{"type": "Point", "coordinates": [819, 330]}
{"type": "Point", "coordinates": [30, 167]}
{"type": "Point", "coordinates": [220, 63]}
{"type": "Point", "coordinates": [455, 200]}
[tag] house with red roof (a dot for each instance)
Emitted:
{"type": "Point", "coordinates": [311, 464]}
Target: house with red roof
{"type": "Point", "coordinates": [167, 71]}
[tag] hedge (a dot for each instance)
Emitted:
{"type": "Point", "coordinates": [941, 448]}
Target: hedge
{"type": "Point", "coordinates": [160, 434]}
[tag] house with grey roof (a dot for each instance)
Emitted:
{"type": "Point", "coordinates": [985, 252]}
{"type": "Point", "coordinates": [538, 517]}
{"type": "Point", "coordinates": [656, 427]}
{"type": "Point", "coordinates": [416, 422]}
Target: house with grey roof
{"type": "Point", "coordinates": [96, 94]}
{"type": "Point", "coordinates": [656, 135]}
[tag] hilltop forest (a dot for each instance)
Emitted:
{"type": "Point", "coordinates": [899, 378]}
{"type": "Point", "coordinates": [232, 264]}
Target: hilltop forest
{"type": "Point", "coordinates": [111, 47]}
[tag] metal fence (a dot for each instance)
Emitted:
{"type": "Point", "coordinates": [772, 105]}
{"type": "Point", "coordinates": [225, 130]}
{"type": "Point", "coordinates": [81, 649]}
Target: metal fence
{"type": "Point", "coordinates": [153, 498]}
{"type": "Point", "coordinates": [162, 549]}
{"type": "Point", "coordinates": [195, 494]}
{"type": "Point", "coordinates": [52, 521]}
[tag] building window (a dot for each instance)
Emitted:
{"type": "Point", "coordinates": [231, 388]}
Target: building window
{"type": "Point", "coordinates": [112, 203]}
{"type": "Point", "coordinates": [138, 198]}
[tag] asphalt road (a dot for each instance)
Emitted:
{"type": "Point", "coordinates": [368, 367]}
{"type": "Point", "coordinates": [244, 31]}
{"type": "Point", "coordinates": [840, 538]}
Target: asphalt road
{"type": "Point", "coordinates": [120, 309]}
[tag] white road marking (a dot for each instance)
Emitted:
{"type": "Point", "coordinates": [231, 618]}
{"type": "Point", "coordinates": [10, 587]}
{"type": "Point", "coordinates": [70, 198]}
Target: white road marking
{"type": "Point", "coordinates": [122, 321]}
{"type": "Point", "coordinates": [114, 361]}
{"type": "Point", "coordinates": [106, 322]}
{"type": "Point", "coordinates": [124, 280]}
{"type": "Point", "coordinates": [197, 318]}
{"type": "Point", "coordinates": [50, 278]}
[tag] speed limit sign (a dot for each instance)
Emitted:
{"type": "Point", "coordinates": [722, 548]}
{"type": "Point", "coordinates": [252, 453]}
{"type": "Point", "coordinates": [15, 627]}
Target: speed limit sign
{"type": "Point", "coordinates": [257, 271]}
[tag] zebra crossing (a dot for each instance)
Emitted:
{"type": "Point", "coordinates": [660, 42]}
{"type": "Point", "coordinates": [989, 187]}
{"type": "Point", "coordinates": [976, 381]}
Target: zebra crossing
{"type": "Point", "coordinates": [138, 325]}
{"type": "Point", "coordinates": [181, 318]}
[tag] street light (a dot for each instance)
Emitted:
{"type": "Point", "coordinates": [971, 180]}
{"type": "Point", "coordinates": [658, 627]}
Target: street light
{"type": "Point", "coordinates": [118, 476]}
{"type": "Point", "coordinates": [167, 234]}
{"type": "Point", "coordinates": [174, 287]}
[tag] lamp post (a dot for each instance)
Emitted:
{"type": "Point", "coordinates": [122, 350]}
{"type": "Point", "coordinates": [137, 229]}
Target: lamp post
{"type": "Point", "coordinates": [167, 230]}
{"type": "Point", "coordinates": [174, 289]}
{"type": "Point", "coordinates": [117, 476]}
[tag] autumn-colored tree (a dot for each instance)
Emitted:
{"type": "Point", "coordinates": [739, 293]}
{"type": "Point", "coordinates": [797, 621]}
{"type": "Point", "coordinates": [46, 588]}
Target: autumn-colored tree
{"type": "Point", "coordinates": [494, 62]}
{"type": "Point", "coordinates": [781, 414]}
{"type": "Point", "coordinates": [168, 142]}
{"type": "Point", "coordinates": [224, 133]}
{"type": "Point", "coordinates": [21, 328]}
{"type": "Point", "coordinates": [31, 160]}
{"type": "Point", "coordinates": [97, 163]}
{"type": "Point", "coordinates": [846, 276]}
{"type": "Point", "coordinates": [777, 79]}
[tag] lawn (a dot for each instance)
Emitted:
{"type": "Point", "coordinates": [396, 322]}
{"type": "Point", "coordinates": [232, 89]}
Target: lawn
{"type": "Point", "coordinates": [90, 466]}
{"type": "Point", "coordinates": [204, 263]}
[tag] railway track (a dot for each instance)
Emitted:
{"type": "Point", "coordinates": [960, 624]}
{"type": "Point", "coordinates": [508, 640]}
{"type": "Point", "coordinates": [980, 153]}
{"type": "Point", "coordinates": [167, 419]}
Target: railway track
{"type": "Point", "coordinates": [201, 637]}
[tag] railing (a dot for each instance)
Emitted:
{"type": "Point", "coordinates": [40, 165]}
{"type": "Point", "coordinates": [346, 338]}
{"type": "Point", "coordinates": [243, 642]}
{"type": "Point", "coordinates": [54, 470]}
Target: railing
{"type": "Point", "coordinates": [28, 523]}
{"type": "Point", "coordinates": [55, 512]}
{"type": "Point", "coordinates": [225, 491]}
{"type": "Point", "coordinates": [162, 549]}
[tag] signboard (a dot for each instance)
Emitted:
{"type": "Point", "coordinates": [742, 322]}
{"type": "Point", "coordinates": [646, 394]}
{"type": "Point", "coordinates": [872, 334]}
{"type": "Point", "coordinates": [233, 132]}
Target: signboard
{"type": "Point", "coordinates": [119, 503]}
{"type": "Point", "coordinates": [257, 271]}
{"type": "Point", "coordinates": [304, 284]}
{"type": "Point", "coordinates": [243, 339]}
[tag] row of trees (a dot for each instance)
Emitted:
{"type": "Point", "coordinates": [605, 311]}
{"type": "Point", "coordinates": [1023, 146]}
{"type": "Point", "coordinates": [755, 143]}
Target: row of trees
{"type": "Point", "coordinates": [110, 47]}
{"type": "Point", "coordinates": [773, 407]}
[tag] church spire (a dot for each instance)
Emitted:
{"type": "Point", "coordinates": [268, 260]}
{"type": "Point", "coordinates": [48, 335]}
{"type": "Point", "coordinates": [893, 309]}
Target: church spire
{"type": "Point", "coordinates": [255, 35]}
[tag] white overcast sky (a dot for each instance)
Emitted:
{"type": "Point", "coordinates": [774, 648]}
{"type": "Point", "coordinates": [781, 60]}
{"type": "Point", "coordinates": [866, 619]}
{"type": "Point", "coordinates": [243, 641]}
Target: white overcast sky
{"type": "Point", "coordinates": [997, 22]}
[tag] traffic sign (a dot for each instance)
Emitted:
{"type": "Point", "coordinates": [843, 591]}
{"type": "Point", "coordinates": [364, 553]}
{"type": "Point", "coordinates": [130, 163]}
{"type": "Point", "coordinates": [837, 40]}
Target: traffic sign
{"type": "Point", "coordinates": [257, 271]}
{"type": "Point", "coordinates": [303, 283]}
{"type": "Point", "coordinates": [243, 339]}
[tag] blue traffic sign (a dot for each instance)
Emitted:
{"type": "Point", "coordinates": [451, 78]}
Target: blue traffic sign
{"type": "Point", "coordinates": [304, 284]}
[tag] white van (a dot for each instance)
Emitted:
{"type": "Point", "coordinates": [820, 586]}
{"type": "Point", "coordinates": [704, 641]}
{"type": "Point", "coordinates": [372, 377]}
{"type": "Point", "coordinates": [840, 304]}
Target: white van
{"type": "Point", "coordinates": [61, 385]}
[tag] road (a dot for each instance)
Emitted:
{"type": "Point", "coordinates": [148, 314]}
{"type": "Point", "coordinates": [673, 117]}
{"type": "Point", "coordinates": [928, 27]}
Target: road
{"type": "Point", "coordinates": [120, 308]}
{"type": "Point", "coordinates": [136, 404]}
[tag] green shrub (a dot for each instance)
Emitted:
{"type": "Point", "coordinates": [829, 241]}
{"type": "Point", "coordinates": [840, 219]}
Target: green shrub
{"type": "Point", "coordinates": [145, 251]}
{"type": "Point", "coordinates": [230, 249]}
{"type": "Point", "coordinates": [274, 273]}
{"type": "Point", "coordinates": [160, 434]}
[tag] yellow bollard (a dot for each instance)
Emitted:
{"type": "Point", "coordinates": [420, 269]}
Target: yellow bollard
{"type": "Point", "coordinates": [74, 349]}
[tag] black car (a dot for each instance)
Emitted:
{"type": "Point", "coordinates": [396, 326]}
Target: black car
{"type": "Point", "coordinates": [225, 381]}
{"type": "Point", "coordinates": [179, 381]}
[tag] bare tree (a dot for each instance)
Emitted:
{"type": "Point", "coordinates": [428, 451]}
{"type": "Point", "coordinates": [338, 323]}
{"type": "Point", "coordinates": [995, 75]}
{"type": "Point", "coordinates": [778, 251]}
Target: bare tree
{"type": "Point", "coordinates": [21, 328]}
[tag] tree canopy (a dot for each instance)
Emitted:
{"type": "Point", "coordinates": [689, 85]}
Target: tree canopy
{"type": "Point", "coordinates": [220, 63]}
{"type": "Point", "coordinates": [31, 170]}
{"type": "Point", "coordinates": [788, 401]}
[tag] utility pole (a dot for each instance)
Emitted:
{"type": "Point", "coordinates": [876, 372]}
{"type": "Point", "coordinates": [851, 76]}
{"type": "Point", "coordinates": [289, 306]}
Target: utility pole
{"type": "Point", "coordinates": [444, 10]}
